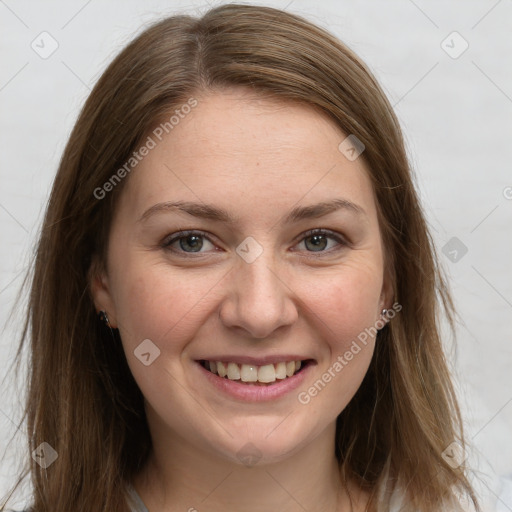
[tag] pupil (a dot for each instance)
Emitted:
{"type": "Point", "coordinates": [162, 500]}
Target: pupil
{"type": "Point", "coordinates": [318, 243]}
{"type": "Point", "coordinates": [196, 244]}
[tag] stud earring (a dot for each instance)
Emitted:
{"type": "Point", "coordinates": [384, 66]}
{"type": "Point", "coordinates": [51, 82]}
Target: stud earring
{"type": "Point", "coordinates": [383, 320]}
{"type": "Point", "coordinates": [104, 318]}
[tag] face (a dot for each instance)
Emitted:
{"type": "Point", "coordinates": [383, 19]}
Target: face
{"type": "Point", "coordinates": [248, 270]}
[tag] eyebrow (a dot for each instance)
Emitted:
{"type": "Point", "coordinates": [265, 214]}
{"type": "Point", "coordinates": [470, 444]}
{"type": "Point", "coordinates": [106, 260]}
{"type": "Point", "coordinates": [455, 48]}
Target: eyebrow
{"type": "Point", "coordinates": [209, 212]}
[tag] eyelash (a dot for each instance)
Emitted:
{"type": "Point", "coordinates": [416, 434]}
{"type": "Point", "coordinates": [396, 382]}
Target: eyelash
{"type": "Point", "coordinates": [184, 234]}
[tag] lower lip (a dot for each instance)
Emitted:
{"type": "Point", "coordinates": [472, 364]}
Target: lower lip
{"type": "Point", "coordinates": [256, 393]}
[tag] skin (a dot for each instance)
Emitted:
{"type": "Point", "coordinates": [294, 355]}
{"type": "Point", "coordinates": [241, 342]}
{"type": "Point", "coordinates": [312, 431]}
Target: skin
{"type": "Point", "coordinates": [256, 158]}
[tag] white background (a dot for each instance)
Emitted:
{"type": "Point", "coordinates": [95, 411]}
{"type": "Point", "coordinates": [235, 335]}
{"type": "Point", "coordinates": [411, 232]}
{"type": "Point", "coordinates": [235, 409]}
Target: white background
{"type": "Point", "coordinates": [456, 114]}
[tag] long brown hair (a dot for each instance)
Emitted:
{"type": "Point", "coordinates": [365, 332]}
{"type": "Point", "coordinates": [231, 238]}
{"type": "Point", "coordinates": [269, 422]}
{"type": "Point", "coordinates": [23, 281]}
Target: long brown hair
{"type": "Point", "coordinates": [82, 398]}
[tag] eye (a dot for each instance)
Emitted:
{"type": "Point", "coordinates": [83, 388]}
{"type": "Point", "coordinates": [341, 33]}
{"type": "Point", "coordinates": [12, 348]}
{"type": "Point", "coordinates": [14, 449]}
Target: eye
{"type": "Point", "coordinates": [317, 240]}
{"type": "Point", "coordinates": [192, 242]}
{"type": "Point", "coordinates": [187, 242]}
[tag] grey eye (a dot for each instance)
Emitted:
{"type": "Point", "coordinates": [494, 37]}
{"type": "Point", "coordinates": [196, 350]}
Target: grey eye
{"type": "Point", "coordinates": [318, 242]}
{"type": "Point", "coordinates": [194, 242]}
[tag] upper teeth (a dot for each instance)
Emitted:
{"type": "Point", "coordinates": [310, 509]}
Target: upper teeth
{"type": "Point", "coordinates": [252, 373]}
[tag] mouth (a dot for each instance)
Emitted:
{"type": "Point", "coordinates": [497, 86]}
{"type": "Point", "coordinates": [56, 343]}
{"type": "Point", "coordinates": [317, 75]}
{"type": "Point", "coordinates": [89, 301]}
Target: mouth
{"type": "Point", "coordinates": [251, 374]}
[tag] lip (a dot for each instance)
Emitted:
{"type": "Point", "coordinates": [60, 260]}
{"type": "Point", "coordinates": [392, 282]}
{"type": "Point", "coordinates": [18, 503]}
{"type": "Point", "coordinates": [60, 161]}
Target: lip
{"type": "Point", "coordinates": [256, 361]}
{"type": "Point", "coordinates": [255, 393]}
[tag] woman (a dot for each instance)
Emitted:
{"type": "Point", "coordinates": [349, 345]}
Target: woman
{"type": "Point", "coordinates": [236, 299]}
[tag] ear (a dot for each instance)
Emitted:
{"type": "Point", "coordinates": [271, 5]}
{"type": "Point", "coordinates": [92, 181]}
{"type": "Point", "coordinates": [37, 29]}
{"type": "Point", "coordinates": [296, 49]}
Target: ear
{"type": "Point", "coordinates": [100, 291]}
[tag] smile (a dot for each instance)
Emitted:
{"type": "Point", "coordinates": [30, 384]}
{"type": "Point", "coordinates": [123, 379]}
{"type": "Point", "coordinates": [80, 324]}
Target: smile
{"type": "Point", "coordinates": [250, 373]}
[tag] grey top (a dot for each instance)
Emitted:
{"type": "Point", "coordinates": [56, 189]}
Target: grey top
{"type": "Point", "coordinates": [137, 505]}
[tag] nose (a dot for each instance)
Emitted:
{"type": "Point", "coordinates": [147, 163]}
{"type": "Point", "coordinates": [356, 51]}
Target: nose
{"type": "Point", "coordinates": [259, 299]}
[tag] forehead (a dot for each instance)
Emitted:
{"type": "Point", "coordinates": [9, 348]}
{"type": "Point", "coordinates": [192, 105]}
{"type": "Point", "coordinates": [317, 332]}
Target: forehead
{"type": "Point", "coordinates": [235, 146]}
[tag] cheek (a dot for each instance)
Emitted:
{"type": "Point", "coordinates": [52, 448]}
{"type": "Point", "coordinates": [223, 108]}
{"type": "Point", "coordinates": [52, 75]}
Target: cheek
{"type": "Point", "coordinates": [346, 302]}
{"type": "Point", "coordinates": [164, 306]}
{"type": "Point", "coordinates": [346, 316]}
{"type": "Point", "coordinates": [154, 301]}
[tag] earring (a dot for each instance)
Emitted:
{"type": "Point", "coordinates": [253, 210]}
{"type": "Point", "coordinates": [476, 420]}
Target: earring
{"type": "Point", "coordinates": [384, 320]}
{"type": "Point", "coordinates": [104, 318]}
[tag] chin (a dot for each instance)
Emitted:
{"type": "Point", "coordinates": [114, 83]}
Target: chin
{"type": "Point", "coordinates": [272, 442]}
